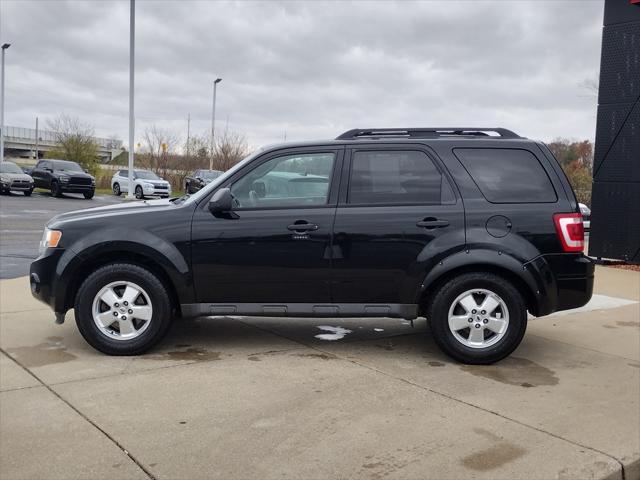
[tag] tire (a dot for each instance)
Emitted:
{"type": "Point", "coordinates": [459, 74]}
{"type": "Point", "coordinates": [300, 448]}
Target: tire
{"type": "Point", "coordinates": [491, 346]}
{"type": "Point", "coordinates": [103, 338]}
{"type": "Point", "coordinates": [27, 193]}
{"type": "Point", "coordinates": [116, 189]}
{"type": "Point", "coordinates": [89, 195]}
{"type": "Point", "coordinates": [56, 191]}
{"type": "Point", "coordinates": [139, 193]}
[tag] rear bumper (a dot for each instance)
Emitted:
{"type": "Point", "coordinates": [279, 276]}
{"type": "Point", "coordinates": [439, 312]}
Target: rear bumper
{"type": "Point", "coordinates": [574, 275]}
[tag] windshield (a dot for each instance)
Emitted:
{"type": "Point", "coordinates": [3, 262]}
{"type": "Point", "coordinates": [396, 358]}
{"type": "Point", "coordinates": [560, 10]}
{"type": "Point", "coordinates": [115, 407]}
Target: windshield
{"type": "Point", "coordinates": [146, 175]}
{"type": "Point", "coordinates": [203, 192]}
{"type": "Point", "coordinates": [65, 165]}
{"type": "Point", "coordinates": [8, 167]}
{"type": "Point", "coordinates": [210, 174]}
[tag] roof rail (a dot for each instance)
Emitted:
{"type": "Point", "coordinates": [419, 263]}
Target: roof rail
{"type": "Point", "coordinates": [429, 132]}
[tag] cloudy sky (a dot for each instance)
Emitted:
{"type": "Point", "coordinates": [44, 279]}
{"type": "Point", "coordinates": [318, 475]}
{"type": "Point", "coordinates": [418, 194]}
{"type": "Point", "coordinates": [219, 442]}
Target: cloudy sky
{"type": "Point", "coordinates": [310, 69]}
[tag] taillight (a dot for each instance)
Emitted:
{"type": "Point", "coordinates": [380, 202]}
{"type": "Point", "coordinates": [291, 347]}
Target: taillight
{"type": "Point", "coordinates": [570, 231]}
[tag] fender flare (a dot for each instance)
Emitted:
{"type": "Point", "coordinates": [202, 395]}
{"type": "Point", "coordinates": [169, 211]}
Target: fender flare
{"type": "Point", "coordinates": [535, 275]}
{"type": "Point", "coordinates": [102, 242]}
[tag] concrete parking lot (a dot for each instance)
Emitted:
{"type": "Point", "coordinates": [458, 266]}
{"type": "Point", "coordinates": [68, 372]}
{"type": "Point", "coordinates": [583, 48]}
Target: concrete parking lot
{"type": "Point", "coordinates": [227, 397]}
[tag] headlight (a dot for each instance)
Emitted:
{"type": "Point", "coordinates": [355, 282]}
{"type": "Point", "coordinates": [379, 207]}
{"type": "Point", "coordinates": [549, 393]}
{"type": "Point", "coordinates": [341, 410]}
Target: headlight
{"type": "Point", "coordinates": [148, 185]}
{"type": "Point", "coordinates": [63, 178]}
{"type": "Point", "coordinates": [4, 179]}
{"type": "Point", "coordinates": [50, 239]}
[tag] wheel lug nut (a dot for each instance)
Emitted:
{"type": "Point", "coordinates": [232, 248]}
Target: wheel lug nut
{"type": "Point", "coordinates": [130, 311]}
{"type": "Point", "coordinates": [477, 325]}
{"type": "Point", "coordinates": [483, 312]}
{"type": "Point", "coordinates": [474, 311]}
{"type": "Point", "coordinates": [115, 314]}
{"type": "Point", "coordinates": [485, 321]}
{"type": "Point", "coordinates": [116, 304]}
{"type": "Point", "coordinates": [123, 317]}
{"type": "Point", "coordinates": [471, 320]}
{"type": "Point", "coordinates": [126, 303]}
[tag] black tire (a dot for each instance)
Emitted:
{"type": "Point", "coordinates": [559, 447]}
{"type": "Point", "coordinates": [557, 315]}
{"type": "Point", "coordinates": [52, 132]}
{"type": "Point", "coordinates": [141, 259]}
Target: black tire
{"type": "Point", "coordinates": [27, 193]}
{"type": "Point", "coordinates": [116, 189]}
{"type": "Point", "coordinates": [89, 195]}
{"type": "Point", "coordinates": [437, 311]}
{"type": "Point", "coordinates": [139, 193]}
{"type": "Point", "coordinates": [160, 319]}
{"type": "Point", "coordinates": [56, 190]}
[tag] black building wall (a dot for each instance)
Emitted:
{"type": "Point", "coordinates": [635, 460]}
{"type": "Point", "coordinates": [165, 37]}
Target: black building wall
{"type": "Point", "coordinates": [615, 220]}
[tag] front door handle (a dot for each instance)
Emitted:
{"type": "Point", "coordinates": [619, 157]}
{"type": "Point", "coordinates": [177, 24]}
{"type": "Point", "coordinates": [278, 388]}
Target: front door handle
{"type": "Point", "coordinates": [303, 226]}
{"type": "Point", "coordinates": [430, 223]}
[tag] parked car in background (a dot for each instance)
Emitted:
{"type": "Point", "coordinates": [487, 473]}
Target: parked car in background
{"type": "Point", "coordinates": [13, 178]}
{"type": "Point", "coordinates": [199, 179]}
{"type": "Point", "coordinates": [467, 229]}
{"type": "Point", "coordinates": [586, 216]}
{"type": "Point", "coordinates": [27, 170]}
{"type": "Point", "coordinates": [63, 176]}
{"type": "Point", "coordinates": [145, 184]}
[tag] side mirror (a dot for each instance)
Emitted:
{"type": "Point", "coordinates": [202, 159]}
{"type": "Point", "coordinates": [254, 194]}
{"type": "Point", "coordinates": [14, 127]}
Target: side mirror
{"type": "Point", "coordinates": [49, 170]}
{"type": "Point", "coordinates": [221, 202]}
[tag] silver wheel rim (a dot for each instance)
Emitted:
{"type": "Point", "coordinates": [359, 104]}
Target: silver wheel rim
{"type": "Point", "coordinates": [122, 310]}
{"type": "Point", "coordinates": [478, 318]}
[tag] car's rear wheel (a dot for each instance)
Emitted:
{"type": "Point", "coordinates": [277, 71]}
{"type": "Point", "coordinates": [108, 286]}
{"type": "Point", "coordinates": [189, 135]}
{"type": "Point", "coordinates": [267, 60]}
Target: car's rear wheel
{"type": "Point", "coordinates": [139, 193]}
{"type": "Point", "coordinates": [477, 318]}
{"type": "Point", "coordinates": [116, 189]}
{"type": "Point", "coordinates": [122, 309]}
{"type": "Point", "coordinates": [56, 190]}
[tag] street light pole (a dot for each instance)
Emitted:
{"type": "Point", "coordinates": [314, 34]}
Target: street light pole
{"type": "Point", "coordinates": [132, 36]}
{"type": "Point", "coordinates": [4, 47]}
{"type": "Point", "coordinates": [213, 121]}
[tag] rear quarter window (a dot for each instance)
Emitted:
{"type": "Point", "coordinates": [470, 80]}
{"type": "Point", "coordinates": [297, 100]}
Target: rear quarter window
{"type": "Point", "coordinates": [507, 175]}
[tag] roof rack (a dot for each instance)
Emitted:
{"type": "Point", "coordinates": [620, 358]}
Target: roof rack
{"type": "Point", "coordinates": [425, 133]}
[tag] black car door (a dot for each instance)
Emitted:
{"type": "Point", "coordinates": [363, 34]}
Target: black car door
{"type": "Point", "coordinates": [40, 174]}
{"type": "Point", "coordinates": [397, 213]}
{"type": "Point", "coordinates": [275, 247]}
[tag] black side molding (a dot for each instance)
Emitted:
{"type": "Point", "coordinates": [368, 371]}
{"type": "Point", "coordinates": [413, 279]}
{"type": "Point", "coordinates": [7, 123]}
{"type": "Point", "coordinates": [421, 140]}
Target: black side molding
{"type": "Point", "coordinates": [394, 310]}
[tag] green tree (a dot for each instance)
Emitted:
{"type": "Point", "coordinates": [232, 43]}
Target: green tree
{"type": "Point", "coordinates": [75, 142]}
{"type": "Point", "coordinates": [576, 159]}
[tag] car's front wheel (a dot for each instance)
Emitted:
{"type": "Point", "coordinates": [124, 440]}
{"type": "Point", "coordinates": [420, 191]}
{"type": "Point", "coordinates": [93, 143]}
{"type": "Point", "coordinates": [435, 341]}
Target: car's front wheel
{"type": "Point", "coordinates": [56, 189]}
{"type": "Point", "coordinates": [139, 193]}
{"type": "Point", "coordinates": [27, 193]}
{"type": "Point", "coordinates": [122, 309]}
{"type": "Point", "coordinates": [89, 195]}
{"type": "Point", "coordinates": [116, 189]}
{"type": "Point", "coordinates": [477, 318]}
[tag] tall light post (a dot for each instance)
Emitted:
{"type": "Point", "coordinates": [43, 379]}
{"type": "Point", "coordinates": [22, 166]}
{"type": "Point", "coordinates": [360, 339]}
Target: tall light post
{"type": "Point", "coordinates": [213, 121]}
{"type": "Point", "coordinates": [4, 47]}
{"type": "Point", "coordinates": [132, 36]}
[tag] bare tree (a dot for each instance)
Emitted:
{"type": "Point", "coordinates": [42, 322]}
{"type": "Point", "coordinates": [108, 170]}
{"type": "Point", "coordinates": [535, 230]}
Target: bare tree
{"type": "Point", "coordinates": [158, 145]}
{"type": "Point", "coordinates": [230, 148]}
{"type": "Point", "coordinates": [75, 141]}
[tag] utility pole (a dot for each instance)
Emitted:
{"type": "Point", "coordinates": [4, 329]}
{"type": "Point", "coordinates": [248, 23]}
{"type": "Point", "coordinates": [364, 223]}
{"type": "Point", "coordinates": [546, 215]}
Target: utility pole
{"type": "Point", "coordinates": [188, 134]}
{"type": "Point", "coordinates": [213, 122]}
{"type": "Point", "coordinates": [132, 37]}
{"type": "Point", "coordinates": [36, 153]}
{"type": "Point", "coordinates": [4, 47]}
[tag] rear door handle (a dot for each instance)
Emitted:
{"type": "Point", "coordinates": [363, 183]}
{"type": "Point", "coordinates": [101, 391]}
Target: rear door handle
{"type": "Point", "coordinates": [432, 223]}
{"type": "Point", "coordinates": [303, 227]}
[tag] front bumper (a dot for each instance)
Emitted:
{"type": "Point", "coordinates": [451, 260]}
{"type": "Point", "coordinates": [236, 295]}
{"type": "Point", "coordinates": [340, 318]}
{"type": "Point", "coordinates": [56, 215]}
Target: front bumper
{"type": "Point", "coordinates": [42, 277]}
{"type": "Point", "coordinates": [73, 188]}
{"type": "Point", "coordinates": [16, 186]}
{"type": "Point", "coordinates": [156, 192]}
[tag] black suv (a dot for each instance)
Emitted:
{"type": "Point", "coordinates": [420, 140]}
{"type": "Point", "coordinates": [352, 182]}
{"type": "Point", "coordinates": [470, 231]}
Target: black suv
{"type": "Point", "coordinates": [469, 227]}
{"type": "Point", "coordinates": [199, 179]}
{"type": "Point", "coordinates": [63, 176]}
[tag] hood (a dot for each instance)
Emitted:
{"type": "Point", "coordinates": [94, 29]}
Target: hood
{"type": "Point", "coordinates": [72, 174]}
{"type": "Point", "coordinates": [17, 176]}
{"type": "Point", "coordinates": [125, 208]}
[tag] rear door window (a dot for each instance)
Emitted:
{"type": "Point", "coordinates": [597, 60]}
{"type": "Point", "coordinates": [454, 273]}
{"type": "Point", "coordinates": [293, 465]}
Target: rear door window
{"type": "Point", "coordinates": [387, 177]}
{"type": "Point", "coordinates": [507, 175]}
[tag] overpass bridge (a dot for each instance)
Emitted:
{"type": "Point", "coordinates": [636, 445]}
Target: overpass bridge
{"type": "Point", "coordinates": [21, 142]}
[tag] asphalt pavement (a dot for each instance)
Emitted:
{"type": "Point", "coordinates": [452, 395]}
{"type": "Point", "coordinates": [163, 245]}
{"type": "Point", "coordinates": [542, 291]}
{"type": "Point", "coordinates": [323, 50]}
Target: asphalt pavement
{"type": "Point", "coordinates": [22, 220]}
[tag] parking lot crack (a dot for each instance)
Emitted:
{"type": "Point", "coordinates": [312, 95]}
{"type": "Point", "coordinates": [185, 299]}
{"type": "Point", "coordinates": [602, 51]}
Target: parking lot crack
{"type": "Point", "coordinates": [82, 415]}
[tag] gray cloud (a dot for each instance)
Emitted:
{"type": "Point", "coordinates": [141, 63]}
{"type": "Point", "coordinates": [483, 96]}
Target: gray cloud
{"type": "Point", "coordinates": [311, 69]}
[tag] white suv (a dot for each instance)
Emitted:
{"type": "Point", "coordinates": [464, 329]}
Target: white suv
{"type": "Point", "coordinates": [145, 184]}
